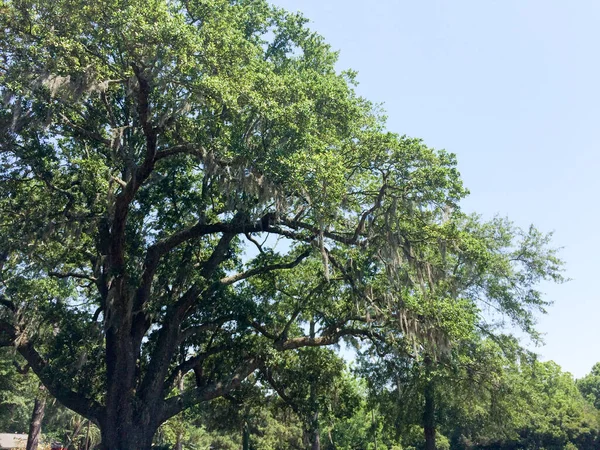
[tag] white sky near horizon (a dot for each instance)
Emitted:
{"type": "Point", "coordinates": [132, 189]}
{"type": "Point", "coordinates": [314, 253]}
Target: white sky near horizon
{"type": "Point", "coordinates": [513, 88]}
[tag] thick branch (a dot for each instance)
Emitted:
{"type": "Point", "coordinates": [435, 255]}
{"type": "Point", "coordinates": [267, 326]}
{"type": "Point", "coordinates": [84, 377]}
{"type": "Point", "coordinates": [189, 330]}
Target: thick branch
{"type": "Point", "coordinates": [189, 364]}
{"type": "Point", "coordinates": [175, 405]}
{"type": "Point", "coordinates": [71, 399]}
{"type": "Point", "coordinates": [200, 229]}
{"type": "Point", "coordinates": [150, 132]}
{"type": "Point", "coordinates": [280, 391]}
{"type": "Point", "coordinates": [326, 339]}
{"type": "Point", "coordinates": [343, 239]}
{"type": "Point", "coordinates": [208, 326]}
{"type": "Point", "coordinates": [169, 334]}
{"type": "Point", "coordinates": [86, 132]}
{"type": "Point", "coordinates": [7, 334]}
{"type": "Point", "coordinates": [265, 269]}
{"type": "Point", "coordinates": [81, 276]}
{"type": "Point", "coordinates": [7, 303]}
{"type": "Point", "coordinates": [182, 149]}
{"type": "Point", "coordinates": [262, 330]}
{"type": "Point", "coordinates": [139, 175]}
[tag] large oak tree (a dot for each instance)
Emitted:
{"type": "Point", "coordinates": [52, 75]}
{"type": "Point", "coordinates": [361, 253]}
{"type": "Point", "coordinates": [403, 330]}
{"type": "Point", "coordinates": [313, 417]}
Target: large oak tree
{"type": "Point", "coordinates": [184, 186]}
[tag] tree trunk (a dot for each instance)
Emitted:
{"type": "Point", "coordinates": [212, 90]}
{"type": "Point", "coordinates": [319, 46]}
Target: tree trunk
{"type": "Point", "coordinates": [179, 443]}
{"type": "Point", "coordinates": [35, 426]}
{"type": "Point", "coordinates": [118, 438]}
{"type": "Point", "coordinates": [74, 434]}
{"type": "Point", "coordinates": [429, 416]}
{"type": "Point", "coordinates": [87, 436]}
{"type": "Point", "coordinates": [316, 440]}
{"type": "Point", "coordinates": [315, 435]}
{"type": "Point", "coordinates": [246, 437]}
{"type": "Point", "coordinates": [374, 425]}
{"type": "Point", "coordinates": [129, 422]}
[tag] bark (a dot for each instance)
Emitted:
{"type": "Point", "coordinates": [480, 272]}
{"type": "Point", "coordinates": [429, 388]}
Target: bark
{"type": "Point", "coordinates": [75, 433]}
{"type": "Point", "coordinates": [315, 435]}
{"type": "Point", "coordinates": [87, 436]}
{"type": "Point", "coordinates": [246, 437]}
{"type": "Point", "coordinates": [179, 442]}
{"type": "Point", "coordinates": [128, 423]}
{"type": "Point", "coordinates": [35, 426]}
{"type": "Point", "coordinates": [429, 416]}
{"type": "Point", "coordinates": [135, 438]}
{"type": "Point", "coordinates": [316, 440]}
{"type": "Point", "coordinates": [374, 425]}
{"type": "Point", "coordinates": [312, 438]}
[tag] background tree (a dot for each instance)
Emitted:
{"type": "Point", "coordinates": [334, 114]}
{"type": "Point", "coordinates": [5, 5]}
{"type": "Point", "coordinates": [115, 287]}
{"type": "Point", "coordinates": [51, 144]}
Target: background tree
{"type": "Point", "coordinates": [313, 383]}
{"type": "Point", "coordinates": [16, 393]}
{"type": "Point", "coordinates": [492, 396]}
{"type": "Point", "coordinates": [493, 264]}
{"type": "Point", "coordinates": [589, 386]}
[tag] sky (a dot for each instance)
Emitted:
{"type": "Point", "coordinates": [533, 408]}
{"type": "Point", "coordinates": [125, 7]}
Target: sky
{"type": "Point", "coordinates": [512, 87]}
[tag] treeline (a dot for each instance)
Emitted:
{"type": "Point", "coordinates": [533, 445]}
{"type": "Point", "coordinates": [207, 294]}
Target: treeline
{"type": "Point", "coordinates": [488, 394]}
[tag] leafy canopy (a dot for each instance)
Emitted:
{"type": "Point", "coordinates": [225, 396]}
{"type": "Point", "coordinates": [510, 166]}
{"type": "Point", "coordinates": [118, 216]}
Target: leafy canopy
{"type": "Point", "coordinates": [184, 185]}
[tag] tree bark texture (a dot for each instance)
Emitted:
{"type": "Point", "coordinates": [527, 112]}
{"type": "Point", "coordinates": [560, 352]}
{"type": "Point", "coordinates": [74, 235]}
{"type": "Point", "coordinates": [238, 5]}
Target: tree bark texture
{"type": "Point", "coordinates": [246, 437]}
{"type": "Point", "coordinates": [35, 426]}
{"type": "Point", "coordinates": [429, 416]}
{"type": "Point", "coordinates": [316, 440]}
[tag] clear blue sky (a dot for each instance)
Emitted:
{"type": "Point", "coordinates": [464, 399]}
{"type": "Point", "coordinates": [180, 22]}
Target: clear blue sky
{"type": "Point", "coordinates": [513, 88]}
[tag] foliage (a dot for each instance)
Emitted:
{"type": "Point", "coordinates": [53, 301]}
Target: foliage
{"type": "Point", "coordinates": [589, 386]}
{"type": "Point", "coordinates": [489, 396]}
{"type": "Point", "coordinates": [145, 145]}
{"type": "Point", "coordinates": [16, 395]}
{"type": "Point", "coordinates": [190, 191]}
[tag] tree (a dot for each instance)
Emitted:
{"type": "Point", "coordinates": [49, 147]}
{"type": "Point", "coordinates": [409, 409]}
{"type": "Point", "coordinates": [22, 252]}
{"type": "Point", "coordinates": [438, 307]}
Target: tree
{"type": "Point", "coordinates": [35, 425]}
{"type": "Point", "coordinates": [552, 413]}
{"type": "Point", "coordinates": [491, 395]}
{"type": "Point", "coordinates": [314, 385]}
{"type": "Point", "coordinates": [589, 386]}
{"type": "Point", "coordinates": [16, 394]}
{"type": "Point", "coordinates": [144, 146]}
{"type": "Point", "coordinates": [497, 266]}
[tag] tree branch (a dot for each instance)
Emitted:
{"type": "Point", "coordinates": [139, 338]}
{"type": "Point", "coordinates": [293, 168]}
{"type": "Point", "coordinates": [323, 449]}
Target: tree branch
{"type": "Point", "coordinates": [71, 399]}
{"type": "Point", "coordinates": [85, 132]}
{"type": "Point", "coordinates": [189, 364]}
{"type": "Point", "coordinates": [343, 239]}
{"type": "Point", "coordinates": [182, 149]}
{"type": "Point", "coordinates": [7, 334]}
{"type": "Point", "coordinates": [266, 372]}
{"type": "Point", "coordinates": [72, 275]}
{"type": "Point", "coordinates": [265, 269]}
{"type": "Point", "coordinates": [262, 330]}
{"type": "Point", "coordinates": [153, 381]}
{"type": "Point", "coordinates": [326, 339]}
{"type": "Point", "coordinates": [8, 303]}
{"type": "Point", "coordinates": [156, 251]}
{"type": "Point", "coordinates": [174, 405]}
{"type": "Point", "coordinates": [208, 326]}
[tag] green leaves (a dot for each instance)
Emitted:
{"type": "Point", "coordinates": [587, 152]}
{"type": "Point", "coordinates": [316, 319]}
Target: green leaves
{"type": "Point", "coordinates": [589, 386]}
{"type": "Point", "coordinates": [186, 186]}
